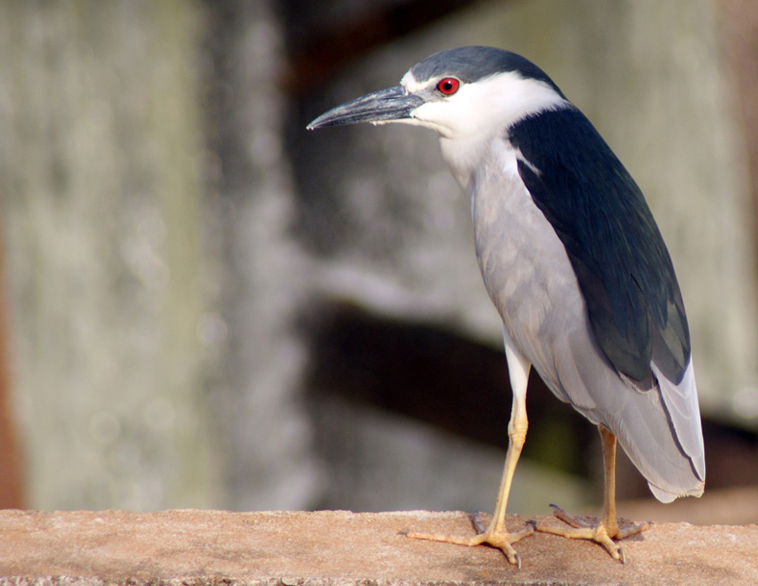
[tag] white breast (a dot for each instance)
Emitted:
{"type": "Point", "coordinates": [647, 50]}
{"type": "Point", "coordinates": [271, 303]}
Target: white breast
{"type": "Point", "coordinates": [523, 262]}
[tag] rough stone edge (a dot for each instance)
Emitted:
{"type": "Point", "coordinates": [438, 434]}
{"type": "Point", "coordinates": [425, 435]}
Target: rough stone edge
{"type": "Point", "coordinates": [221, 581]}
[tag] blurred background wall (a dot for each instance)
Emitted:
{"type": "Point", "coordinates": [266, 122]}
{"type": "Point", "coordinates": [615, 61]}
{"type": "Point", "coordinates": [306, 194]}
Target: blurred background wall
{"type": "Point", "coordinates": [204, 305]}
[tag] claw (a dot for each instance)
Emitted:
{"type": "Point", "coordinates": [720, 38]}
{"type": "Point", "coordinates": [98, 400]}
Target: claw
{"type": "Point", "coordinates": [476, 521]}
{"type": "Point", "coordinates": [568, 519]}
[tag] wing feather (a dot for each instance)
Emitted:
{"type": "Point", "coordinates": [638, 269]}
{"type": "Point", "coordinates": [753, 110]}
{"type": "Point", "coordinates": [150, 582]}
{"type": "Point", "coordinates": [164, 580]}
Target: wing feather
{"type": "Point", "coordinates": [634, 304]}
{"type": "Point", "coordinates": [617, 252]}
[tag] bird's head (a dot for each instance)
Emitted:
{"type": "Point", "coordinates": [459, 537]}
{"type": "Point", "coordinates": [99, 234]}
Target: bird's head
{"type": "Point", "coordinates": [463, 94]}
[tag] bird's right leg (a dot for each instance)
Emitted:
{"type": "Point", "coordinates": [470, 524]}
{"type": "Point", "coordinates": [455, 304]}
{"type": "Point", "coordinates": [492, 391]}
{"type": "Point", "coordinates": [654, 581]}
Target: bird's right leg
{"type": "Point", "coordinates": [496, 534]}
{"type": "Point", "coordinates": [607, 531]}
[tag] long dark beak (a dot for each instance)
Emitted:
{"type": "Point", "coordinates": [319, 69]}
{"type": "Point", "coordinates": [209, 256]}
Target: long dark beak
{"type": "Point", "coordinates": [394, 103]}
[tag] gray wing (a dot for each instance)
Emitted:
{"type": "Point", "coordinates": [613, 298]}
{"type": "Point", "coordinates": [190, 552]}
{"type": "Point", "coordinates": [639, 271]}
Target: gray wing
{"type": "Point", "coordinates": [672, 460]}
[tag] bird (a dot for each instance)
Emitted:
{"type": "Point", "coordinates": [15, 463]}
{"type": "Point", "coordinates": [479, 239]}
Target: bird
{"type": "Point", "coordinates": [575, 264]}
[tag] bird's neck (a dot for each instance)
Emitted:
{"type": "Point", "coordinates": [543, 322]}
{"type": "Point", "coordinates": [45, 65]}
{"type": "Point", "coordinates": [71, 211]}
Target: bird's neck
{"type": "Point", "coordinates": [468, 158]}
{"type": "Point", "coordinates": [463, 156]}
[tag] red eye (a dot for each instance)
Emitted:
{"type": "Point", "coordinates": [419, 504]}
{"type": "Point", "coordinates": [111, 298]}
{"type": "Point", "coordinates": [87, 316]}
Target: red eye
{"type": "Point", "coordinates": [448, 85]}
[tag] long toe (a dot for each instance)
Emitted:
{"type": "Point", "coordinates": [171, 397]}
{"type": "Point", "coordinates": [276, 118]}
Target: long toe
{"type": "Point", "coordinates": [502, 540]}
{"type": "Point", "coordinates": [597, 532]}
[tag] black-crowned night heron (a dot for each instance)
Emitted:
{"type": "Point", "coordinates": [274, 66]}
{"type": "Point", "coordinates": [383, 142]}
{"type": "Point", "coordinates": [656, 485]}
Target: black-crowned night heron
{"type": "Point", "coordinates": [574, 263]}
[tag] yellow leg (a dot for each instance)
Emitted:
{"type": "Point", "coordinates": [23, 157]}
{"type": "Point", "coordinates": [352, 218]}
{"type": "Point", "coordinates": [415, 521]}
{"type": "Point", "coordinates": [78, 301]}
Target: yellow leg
{"type": "Point", "coordinates": [609, 486]}
{"type": "Point", "coordinates": [496, 534]}
{"type": "Point", "coordinates": [607, 529]}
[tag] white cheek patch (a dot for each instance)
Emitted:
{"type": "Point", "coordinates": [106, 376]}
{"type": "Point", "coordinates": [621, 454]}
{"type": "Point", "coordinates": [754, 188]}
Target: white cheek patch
{"type": "Point", "coordinates": [480, 110]}
{"type": "Point", "coordinates": [484, 108]}
{"type": "Point", "coordinates": [433, 115]}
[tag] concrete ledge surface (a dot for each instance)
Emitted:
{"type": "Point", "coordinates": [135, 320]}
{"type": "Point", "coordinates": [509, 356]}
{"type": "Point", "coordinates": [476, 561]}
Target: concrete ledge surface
{"type": "Point", "coordinates": [341, 548]}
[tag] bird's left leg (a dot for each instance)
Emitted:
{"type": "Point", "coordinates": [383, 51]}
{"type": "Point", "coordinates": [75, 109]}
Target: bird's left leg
{"type": "Point", "coordinates": [496, 534]}
{"type": "Point", "coordinates": [607, 530]}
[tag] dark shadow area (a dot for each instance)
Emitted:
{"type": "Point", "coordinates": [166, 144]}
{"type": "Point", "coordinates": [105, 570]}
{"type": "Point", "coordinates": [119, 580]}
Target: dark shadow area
{"type": "Point", "coordinates": [322, 37]}
{"type": "Point", "coordinates": [461, 386]}
{"type": "Point", "coordinates": [441, 378]}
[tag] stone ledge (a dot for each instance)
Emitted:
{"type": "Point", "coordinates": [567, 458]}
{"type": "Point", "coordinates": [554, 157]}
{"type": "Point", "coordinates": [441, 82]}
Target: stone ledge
{"type": "Point", "coordinates": [338, 548]}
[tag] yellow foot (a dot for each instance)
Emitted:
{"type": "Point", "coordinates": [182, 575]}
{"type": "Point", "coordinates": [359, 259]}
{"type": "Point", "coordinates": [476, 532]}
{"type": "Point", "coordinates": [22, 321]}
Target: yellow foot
{"type": "Point", "coordinates": [601, 533]}
{"type": "Point", "coordinates": [501, 539]}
